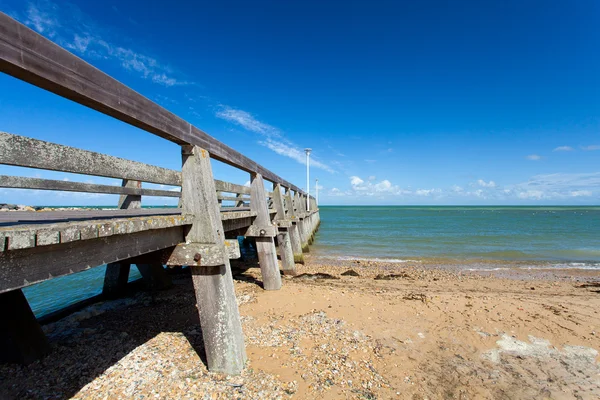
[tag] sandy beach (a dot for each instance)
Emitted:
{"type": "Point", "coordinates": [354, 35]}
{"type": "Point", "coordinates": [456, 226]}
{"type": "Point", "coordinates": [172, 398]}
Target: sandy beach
{"type": "Point", "coordinates": [404, 331]}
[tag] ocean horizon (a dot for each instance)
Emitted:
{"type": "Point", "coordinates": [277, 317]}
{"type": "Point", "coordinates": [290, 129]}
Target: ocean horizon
{"type": "Point", "coordinates": [470, 237]}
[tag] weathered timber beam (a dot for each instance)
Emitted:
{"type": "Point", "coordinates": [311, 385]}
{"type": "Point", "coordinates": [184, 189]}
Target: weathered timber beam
{"type": "Point", "coordinates": [20, 182]}
{"type": "Point", "coordinates": [27, 152]}
{"type": "Point", "coordinates": [19, 268]}
{"type": "Point", "coordinates": [231, 198]}
{"type": "Point", "coordinates": [229, 187]}
{"type": "Point", "coordinates": [28, 56]}
{"type": "Point", "coordinates": [25, 236]}
{"type": "Point", "coordinates": [202, 255]}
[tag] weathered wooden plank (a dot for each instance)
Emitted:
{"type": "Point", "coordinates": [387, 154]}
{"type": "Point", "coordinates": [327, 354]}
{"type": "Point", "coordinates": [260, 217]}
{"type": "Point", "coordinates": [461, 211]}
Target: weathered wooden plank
{"type": "Point", "coordinates": [19, 268]}
{"type": "Point", "coordinates": [20, 182]}
{"type": "Point", "coordinates": [226, 216]}
{"type": "Point", "coordinates": [230, 225]}
{"type": "Point", "coordinates": [43, 217]}
{"type": "Point", "coordinates": [18, 150]}
{"type": "Point", "coordinates": [215, 294]}
{"type": "Point", "coordinates": [231, 198]}
{"type": "Point", "coordinates": [203, 255]}
{"type": "Point", "coordinates": [228, 187]}
{"type": "Point", "coordinates": [29, 56]}
{"type": "Point", "coordinates": [26, 236]}
{"type": "Point", "coordinates": [261, 231]}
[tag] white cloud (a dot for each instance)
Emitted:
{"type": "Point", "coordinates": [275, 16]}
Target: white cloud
{"type": "Point", "coordinates": [336, 192]}
{"type": "Point", "coordinates": [274, 138]}
{"type": "Point", "coordinates": [247, 121]}
{"type": "Point", "coordinates": [41, 21]}
{"type": "Point", "coordinates": [371, 178]}
{"type": "Point", "coordinates": [581, 193]}
{"type": "Point", "coordinates": [356, 181]}
{"type": "Point", "coordinates": [383, 186]}
{"type": "Point", "coordinates": [591, 147]}
{"type": "Point", "coordinates": [490, 184]}
{"type": "Point", "coordinates": [289, 150]}
{"type": "Point", "coordinates": [533, 157]}
{"type": "Point", "coordinates": [457, 189]}
{"type": "Point", "coordinates": [531, 194]}
{"type": "Point", "coordinates": [558, 186]}
{"type": "Point", "coordinates": [369, 188]}
{"type": "Point", "coordinates": [427, 192]}
{"type": "Point", "coordinates": [66, 25]}
{"type": "Point", "coordinates": [563, 148]}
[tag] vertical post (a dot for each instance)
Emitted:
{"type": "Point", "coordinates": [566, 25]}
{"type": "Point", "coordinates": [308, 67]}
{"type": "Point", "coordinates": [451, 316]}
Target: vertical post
{"type": "Point", "coordinates": [307, 177]}
{"type": "Point", "coordinates": [130, 201]}
{"type": "Point", "coordinates": [283, 236]}
{"type": "Point", "coordinates": [215, 295]}
{"type": "Point", "coordinates": [117, 274]}
{"type": "Point", "coordinates": [21, 337]}
{"type": "Point", "coordinates": [293, 231]}
{"type": "Point", "coordinates": [301, 213]}
{"type": "Point", "coordinates": [240, 201]}
{"type": "Point", "coordinates": [265, 245]}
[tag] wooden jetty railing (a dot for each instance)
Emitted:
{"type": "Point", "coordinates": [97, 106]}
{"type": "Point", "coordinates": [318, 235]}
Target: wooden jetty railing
{"type": "Point", "coordinates": [201, 233]}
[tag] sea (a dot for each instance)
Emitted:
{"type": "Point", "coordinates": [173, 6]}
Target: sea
{"type": "Point", "coordinates": [471, 237]}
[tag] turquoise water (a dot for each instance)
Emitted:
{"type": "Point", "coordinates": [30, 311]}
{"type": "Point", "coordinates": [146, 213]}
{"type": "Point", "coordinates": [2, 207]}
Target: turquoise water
{"type": "Point", "coordinates": [560, 235]}
{"type": "Point", "coordinates": [57, 293]}
{"type": "Point", "coordinates": [540, 236]}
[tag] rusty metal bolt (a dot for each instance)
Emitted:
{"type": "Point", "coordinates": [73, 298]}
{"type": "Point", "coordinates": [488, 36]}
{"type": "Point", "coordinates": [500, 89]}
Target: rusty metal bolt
{"type": "Point", "coordinates": [197, 257]}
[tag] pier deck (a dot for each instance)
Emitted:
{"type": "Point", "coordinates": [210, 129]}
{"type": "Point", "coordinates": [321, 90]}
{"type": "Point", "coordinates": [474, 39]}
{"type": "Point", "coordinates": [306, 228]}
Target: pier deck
{"type": "Point", "coordinates": [201, 233]}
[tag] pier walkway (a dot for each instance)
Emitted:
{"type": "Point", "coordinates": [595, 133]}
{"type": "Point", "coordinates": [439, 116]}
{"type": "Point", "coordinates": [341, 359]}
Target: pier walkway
{"type": "Point", "coordinates": [201, 233]}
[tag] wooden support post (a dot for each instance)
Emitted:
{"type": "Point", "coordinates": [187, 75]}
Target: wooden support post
{"type": "Point", "coordinates": [215, 295]}
{"type": "Point", "coordinates": [300, 204]}
{"type": "Point", "coordinates": [154, 275]}
{"type": "Point", "coordinates": [115, 279]}
{"type": "Point", "coordinates": [283, 237]}
{"type": "Point", "coordinates": [128, 201]}
{"type": "Point", "coordinates": [293, 231]}
{"type": "Point", "coordinates": [117, 274]}
{"type": "Point", "coordinates": [21, 337]}
{"type": "Point", "coordinates": [218, 199]}
{"type": "Point", "coordinates": [240, 202]}
{"type": "Point", "coordinates": [265, 246]}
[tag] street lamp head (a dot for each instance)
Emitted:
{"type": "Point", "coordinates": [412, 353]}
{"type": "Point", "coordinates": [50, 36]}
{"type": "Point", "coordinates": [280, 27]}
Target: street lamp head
{"type": "Point", "coordinates": [307, 151]}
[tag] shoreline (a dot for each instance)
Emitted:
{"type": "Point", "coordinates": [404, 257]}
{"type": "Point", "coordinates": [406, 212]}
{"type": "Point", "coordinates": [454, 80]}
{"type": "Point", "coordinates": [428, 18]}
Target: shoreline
{"type": "Point", "coordinates": [527, 269]}
{"type": "Point", "coordinates": [393, 331]}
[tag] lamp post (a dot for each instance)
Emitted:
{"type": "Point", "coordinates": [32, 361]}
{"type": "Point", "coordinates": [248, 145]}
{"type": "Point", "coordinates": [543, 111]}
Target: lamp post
{"type": "Point", "coordinates": [307, 151]}
{"type": "Point", "coordinates": [317, 191]}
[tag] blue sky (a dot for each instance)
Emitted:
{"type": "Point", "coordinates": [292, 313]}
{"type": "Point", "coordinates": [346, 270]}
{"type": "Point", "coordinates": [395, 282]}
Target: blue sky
{"type": "Point", "coordinates": [403, 102]}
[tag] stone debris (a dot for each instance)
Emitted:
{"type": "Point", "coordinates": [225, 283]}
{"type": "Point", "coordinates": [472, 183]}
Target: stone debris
{"type": "Point", "coordinates": [337, 356]}
{"type": "Point", "coordinates": [314, 277]}
{"type": "Point", "coordinates": [350, 272]}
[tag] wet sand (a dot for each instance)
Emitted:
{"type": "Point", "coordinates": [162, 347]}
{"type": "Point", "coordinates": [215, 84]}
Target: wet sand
{"type": "Point", "coordinates": [393, 331]}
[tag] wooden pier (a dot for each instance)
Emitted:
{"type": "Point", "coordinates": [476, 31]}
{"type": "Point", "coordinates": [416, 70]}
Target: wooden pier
{"type": "Point", "coordinates": [202, 233]}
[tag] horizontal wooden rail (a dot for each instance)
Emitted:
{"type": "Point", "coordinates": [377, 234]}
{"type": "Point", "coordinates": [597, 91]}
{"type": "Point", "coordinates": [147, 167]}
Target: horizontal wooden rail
{"type": "Point", "coordinates": [232, 198]}
{"type": "Point", "coordinates": [27, 152]}
{"type": "Point", "coordinates": [28, 56]}
{"type": "Point", "coordinates": [228, 187]}
{"type": "Point", "coordinates": [19, 182]}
